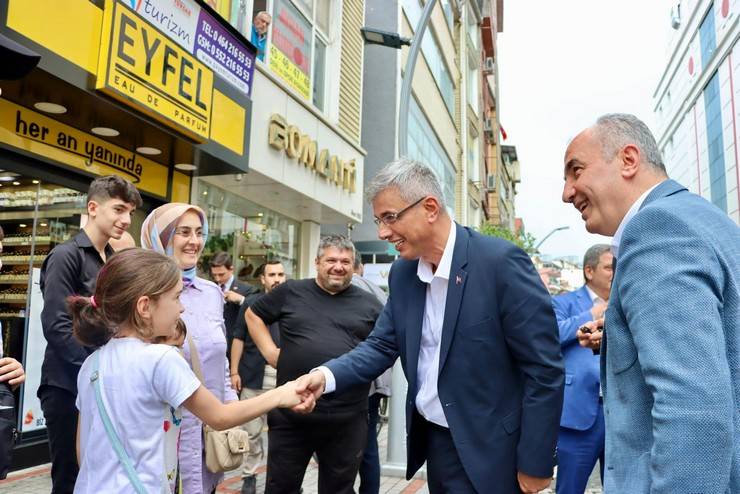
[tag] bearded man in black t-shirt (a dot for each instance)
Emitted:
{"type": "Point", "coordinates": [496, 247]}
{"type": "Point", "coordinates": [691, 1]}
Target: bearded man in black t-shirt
{"type": "Point", "coordinates": [319, 319]}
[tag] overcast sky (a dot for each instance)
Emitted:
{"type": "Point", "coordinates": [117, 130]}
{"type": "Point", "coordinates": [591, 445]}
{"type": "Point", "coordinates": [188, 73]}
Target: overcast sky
{"type": "Point", "coordinates": [562, 64]}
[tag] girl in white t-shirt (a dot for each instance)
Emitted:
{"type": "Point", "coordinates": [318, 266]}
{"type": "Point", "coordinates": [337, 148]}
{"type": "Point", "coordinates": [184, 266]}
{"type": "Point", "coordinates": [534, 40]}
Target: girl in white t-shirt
{"type": "Point", "coordinates": [137, 299]}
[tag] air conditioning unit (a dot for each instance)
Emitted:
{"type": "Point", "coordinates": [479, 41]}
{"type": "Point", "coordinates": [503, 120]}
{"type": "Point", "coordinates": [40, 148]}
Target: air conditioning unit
{"type": "Point", "coordinates": [488, 128]}
{"type": "Point", "coordinates": [676, 16]}
{"type": "Point", "coordinates": [488, 65]}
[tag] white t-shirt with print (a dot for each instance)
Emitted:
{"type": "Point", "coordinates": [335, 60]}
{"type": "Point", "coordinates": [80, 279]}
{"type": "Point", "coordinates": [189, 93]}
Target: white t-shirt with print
{"type": "Point", "coordinates": [143, 386]}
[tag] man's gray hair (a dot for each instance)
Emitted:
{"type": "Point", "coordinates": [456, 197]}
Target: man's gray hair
{"type": "Point", "coordinates": [332, 240]}
{"type": "Point", "coordinates": [592, 256]}
{"type": "Point", "coordinates": [411, 178]}
{"type": "Point", "coordinates": [616, 130]}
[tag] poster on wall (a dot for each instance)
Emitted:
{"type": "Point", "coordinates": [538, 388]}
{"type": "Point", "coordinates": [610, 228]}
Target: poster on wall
{"type": "Point", "coordinates": [290, 50]}
{"type": "Point", "coordinates": [201, 34]}
{"type": "Point", "coordinates": [31, 417]}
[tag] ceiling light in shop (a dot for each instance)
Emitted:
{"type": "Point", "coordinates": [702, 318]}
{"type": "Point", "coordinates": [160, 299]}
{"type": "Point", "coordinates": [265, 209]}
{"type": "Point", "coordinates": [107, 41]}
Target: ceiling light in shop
{"type": "Point", "coordinates": [148, 151]}
{"type": "Point", "coordinates": [205, 192]}
{"type": "Point", "coordinates": [36, 182]}
{"type": "Point", "coordinates": [22, 225]}
{"type": "Point", "coordinates": [47, 107]}
{"type": "Point", "coordinates": [105, 131]}
{"type": "Point", "coordinates": [44, 224]}
{"type": "Point", "coordinates": [16, 183]}
{"type": "Point", "coordinates": [8, 177]}
{"type": "Point", "coordinates": [186, 167]}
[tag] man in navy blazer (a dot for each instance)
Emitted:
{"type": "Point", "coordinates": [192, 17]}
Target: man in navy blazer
{"type": "Point", "coordinates": [581, 439]}
{"type": "Point", "coordinates": [475, 330]}
{"type": "Point", "coordinates": [670, 349]}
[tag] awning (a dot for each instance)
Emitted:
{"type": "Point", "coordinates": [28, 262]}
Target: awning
{"type": "Point", "coordinates": [17, 60]}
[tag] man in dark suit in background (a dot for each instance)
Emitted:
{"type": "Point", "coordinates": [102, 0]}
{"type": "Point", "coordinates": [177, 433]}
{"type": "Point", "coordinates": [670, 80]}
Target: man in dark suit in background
{"type": "Point", "coordinates": [581, 439]}
{"type": "Point", "coordinates": [478, 342]}
{"type": "Point", "coordinates": [222, 273]}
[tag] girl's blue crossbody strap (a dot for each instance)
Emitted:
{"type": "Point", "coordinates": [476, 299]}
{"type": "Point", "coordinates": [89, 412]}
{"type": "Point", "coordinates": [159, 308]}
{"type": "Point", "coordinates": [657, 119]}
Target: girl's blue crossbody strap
{"type": "Point", "coordinates": [111, 432]}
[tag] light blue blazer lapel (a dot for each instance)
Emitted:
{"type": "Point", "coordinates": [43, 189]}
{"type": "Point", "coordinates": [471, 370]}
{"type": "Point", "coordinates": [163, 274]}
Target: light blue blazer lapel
{"type": "Point", "coordinates": [455, 290]}
{"type": "Point", "coordinates": [417, 291]}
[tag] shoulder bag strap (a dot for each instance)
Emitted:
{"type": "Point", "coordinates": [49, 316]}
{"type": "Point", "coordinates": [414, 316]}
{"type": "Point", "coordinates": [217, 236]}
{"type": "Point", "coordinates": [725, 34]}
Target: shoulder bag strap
{"type": "Point", "coordinates": [195, 360]}
{"type": "Point", "coordinates": [111, 432]}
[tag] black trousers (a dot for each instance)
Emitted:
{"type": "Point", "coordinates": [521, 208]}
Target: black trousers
{"type": "Point", "coordinates": [338, 441]}
{"type": "Point", "coordinates": [60, 413]}
{"type": "Point", "coordinates": [445, 471]}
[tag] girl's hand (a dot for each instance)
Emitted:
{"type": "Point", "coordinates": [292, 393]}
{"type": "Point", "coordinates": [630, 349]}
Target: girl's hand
{"type": "Point", "coordinates": [289, 397]}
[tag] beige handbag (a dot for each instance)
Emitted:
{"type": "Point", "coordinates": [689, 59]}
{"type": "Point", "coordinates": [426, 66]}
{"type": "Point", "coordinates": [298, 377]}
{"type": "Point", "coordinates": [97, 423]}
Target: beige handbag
{"type": "Point", "coordinates": [224, 450]}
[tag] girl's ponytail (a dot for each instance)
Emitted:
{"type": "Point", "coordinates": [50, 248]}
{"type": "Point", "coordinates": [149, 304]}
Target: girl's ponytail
{"type": "Point", "coordinates": [88, 322]}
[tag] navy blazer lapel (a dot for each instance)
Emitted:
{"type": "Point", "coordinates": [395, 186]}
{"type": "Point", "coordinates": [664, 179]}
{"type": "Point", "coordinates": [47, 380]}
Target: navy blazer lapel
{"type": "Point", "coordinates": [417, 291]}
{"type": "Point", "coordinates": [455, 289]}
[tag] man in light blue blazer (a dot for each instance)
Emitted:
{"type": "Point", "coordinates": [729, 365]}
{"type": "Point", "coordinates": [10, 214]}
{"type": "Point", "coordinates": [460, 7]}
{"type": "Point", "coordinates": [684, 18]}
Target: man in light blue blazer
{"type": "Point", "coordinates": [581, 438]}
{"type": "Point", "coordinates": [670, 355]}
{"type": "Point", "coordinates": [478, 341]}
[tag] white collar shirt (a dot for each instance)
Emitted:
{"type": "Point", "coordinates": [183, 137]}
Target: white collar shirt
{"type": "Point", "coordinates": [633, 210]}
{"type": "Point", "coordinates": [427, 399]}
{"type": "Point", "coordinates": [595, 299]}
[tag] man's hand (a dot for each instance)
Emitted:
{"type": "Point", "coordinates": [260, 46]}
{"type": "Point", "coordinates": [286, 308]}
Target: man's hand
{"type": "Point", "coordinates": [313, 383]}
{"type": "Point", "coordinates": [589, 335]}
{"type": "Point", "coordinates": [12, 371]}
{"type": "Point", "coordinates": [233, 297]}
{"type": "Point", "coordinates": [532, 485]}
{"type": "Point", "coordinates": [597, 311]}
{"type": "Point", "coordinates": [236, 382]}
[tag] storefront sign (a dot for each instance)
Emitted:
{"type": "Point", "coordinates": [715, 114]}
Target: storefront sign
{"type": "Point", "coordinates": [200, 34]}
{"type": "Point", "coordinates": [144, 68]}
{"type": "Point", "coordinates": [290, 50]}
{"type": "Point", "coordinates": [30, 131]}
{"type": "Point", "coordinates": [301, 147]}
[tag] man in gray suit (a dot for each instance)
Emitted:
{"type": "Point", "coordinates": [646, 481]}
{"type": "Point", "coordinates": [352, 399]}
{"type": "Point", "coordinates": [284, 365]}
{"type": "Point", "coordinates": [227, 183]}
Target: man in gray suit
{"type": "Point", "coordinates": [670, 353]}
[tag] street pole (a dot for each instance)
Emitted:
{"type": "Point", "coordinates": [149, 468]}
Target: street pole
{"type": "Point", "coordinates": [395, 464]}
{"type": "Point", "coordinates": [408, 76]}
{"type": "Point", "coordinates": [560, 228]}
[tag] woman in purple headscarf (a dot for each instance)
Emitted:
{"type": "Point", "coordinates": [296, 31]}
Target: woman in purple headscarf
{"type": "Point", "coordinates": [180, 230]}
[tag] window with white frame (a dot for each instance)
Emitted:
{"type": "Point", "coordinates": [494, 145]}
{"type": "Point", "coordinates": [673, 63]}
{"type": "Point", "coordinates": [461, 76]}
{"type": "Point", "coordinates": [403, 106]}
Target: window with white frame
{"type": "Point", "coordinates": [473, 76]}
{"type": "Point", "coordinates": [298, 47]}
{"type": "Point", "coordinates": [473, 158]}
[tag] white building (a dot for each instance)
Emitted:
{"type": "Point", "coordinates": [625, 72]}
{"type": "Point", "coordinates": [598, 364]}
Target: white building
{"type": "Point", "coordinates": [695, 101]}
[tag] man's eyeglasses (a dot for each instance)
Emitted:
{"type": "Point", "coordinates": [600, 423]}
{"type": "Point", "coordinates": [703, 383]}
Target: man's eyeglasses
{"type": "Point", "coordinates": [187, 232]}
{"type": "Point", "coordinates": [390, 218]}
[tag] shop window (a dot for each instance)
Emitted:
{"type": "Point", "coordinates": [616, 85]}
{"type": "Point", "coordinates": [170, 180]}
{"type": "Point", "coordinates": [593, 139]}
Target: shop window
{"type": "Point", "coordinates": [250, 233]}
{"type": "Point", "coordinates": [319, 73]}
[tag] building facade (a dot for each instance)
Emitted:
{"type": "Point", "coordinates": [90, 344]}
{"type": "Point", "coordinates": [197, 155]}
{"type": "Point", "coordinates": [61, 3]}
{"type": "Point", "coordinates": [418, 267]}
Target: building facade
{"type": "Point", "coordinates": [172, 95]}
{"type": "Point", "coordinates": [695, 101]}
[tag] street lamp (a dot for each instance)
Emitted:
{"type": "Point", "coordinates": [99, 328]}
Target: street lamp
{"type": "Point", "coordinates": [396, 460]}
{"type": "Point", "coordinates": [385, 38]}
{"type": "Point", "coordinates": [560, 228]}
{"type": "Point", "coordinates": [394, 40]}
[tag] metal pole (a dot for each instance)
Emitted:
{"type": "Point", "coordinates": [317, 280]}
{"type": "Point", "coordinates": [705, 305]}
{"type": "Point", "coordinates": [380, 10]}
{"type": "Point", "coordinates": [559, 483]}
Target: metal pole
{"type": "Point", "coordinates": [408, 76]}
{"type": "Point", "coordinates": [395, 464]}
{"type": "Point", "coordinates": [536, 247]}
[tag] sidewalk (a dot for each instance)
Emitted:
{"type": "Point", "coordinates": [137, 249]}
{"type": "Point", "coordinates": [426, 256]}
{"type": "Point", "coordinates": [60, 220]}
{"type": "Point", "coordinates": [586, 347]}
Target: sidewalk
{"type": "Point", "coordinates": [37, 481]}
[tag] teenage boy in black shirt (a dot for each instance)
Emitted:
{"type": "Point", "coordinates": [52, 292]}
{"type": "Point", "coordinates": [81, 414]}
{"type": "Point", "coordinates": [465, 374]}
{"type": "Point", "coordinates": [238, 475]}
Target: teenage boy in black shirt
{"type": "Point", "coordinates": [71, 268]}
{"type": "Point", "coordinates": [319, 319]}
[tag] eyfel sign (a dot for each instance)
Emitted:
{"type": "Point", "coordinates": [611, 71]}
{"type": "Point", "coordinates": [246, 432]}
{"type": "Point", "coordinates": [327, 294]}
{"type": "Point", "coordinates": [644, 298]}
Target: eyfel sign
{"type": "Point", "coordinates": [145, 69]}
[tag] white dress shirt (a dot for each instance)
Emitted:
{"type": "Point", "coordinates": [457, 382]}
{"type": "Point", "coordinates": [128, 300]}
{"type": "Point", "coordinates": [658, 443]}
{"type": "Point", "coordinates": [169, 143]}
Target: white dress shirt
{"type": "Point", "coordinates": [427, 400]}
{"type": "Point", "coordinates": [617, 238]}
{"type": "Point", "coordinates": [595, 299]}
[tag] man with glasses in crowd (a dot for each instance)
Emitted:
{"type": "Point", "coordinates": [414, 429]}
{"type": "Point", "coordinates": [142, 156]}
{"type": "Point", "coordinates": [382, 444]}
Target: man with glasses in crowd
{"type": "Point", "coordinates": [478, 342]}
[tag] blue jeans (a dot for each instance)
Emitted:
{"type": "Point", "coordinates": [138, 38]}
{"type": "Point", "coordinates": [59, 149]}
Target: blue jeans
{"type": "Point", "coordinates": [370, 466]}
